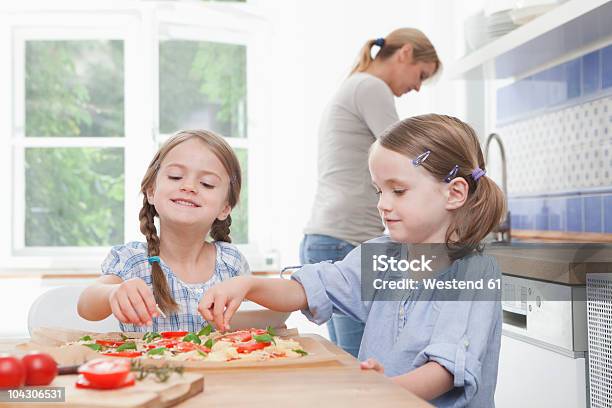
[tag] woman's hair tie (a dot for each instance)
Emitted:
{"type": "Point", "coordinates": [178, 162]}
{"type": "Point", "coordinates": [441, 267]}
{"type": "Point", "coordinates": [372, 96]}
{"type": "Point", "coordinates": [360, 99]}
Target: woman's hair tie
{"type": "Point", "coordinates": [153, 259]}
{"type": "Point", "coordinates": [478, 173]}
{"type": "Point", "coordinates": [380, 42]}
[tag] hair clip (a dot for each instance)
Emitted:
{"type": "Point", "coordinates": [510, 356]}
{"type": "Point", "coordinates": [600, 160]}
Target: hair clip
{"type": "Point", "coordinates": [380, 42]}
{"type": "Point", "coordinates": [421, 158]}
{"type": "Point", "coordinates": [452, 174]}
{"type": "Point", "coordinates": [478, 173]}
{"type": "Point", "coordinates": [153, 259]}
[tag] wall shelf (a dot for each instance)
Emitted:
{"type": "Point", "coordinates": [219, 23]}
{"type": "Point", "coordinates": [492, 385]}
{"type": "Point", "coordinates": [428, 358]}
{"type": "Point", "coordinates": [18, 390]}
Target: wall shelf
{"type": "Point", "coordinates": [570, 27]}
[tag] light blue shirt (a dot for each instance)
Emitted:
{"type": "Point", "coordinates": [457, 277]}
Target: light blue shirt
{"type": "Point", "coordinates": [464, 336]}
{"type": "Point", "coordinates": [130, 261]}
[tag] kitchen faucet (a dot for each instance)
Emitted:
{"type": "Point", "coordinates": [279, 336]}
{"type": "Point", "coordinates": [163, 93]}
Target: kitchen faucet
{"type": "Point", "coordinates": [502, 231]}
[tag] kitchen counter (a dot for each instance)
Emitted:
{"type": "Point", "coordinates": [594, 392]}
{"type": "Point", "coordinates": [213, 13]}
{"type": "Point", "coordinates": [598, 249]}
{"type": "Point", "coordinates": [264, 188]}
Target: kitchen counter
{"type": "Point", "coordinates": [560, 263]}
{"type": "Point", "coordinates": [338, 383]}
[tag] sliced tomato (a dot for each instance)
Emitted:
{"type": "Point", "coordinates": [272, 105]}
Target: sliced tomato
{"type": "Point", "coordinates": [167, 343]}
{"type": "Point", "coordinates": [106, 373]}
{"type": "Point", "coordinates": [128, 354]}
{"type": "Point", "coordinates": [83, 382]}
{"type": "Point", "coordinates": [251, 346]}
{"type": "Point", "coordinates": [185, 346]}
{"type": "Point", "coordinates": [239, 336]}
{"type": "Point", "coordinates": [110, 343]}
{"type": "Point", "coordinates": [172, 334]}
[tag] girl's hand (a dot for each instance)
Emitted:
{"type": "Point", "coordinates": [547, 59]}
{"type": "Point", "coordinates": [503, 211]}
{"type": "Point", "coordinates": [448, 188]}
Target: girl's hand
{"type": "Point", "coordinates": [372, 364]}
{"type": "Point", "coordinates": [133, 302]}
{"type": "Point", "coordinates": [220, 302]}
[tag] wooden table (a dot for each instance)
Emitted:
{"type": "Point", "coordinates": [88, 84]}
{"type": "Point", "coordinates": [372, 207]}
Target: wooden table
{"type": "Point", "coordinates": [336, 384]}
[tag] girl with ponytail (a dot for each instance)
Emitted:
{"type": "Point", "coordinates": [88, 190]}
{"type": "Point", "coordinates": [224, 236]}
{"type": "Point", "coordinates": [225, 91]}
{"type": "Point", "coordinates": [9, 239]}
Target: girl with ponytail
{"type": "Point", "coordinates": [435, 199]}
{"type": "Point", "coordinates": [191, 186]}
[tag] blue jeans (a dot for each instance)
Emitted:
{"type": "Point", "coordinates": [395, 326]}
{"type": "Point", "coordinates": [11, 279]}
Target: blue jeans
{"type": "Point", "coordinates": [343, 330]}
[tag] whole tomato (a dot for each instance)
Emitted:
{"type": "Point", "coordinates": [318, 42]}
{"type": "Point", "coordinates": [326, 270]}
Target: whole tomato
{"type": "Point", "coordinates": [40, 368]}
{"type": "Point", "coordinates": [12, 372]}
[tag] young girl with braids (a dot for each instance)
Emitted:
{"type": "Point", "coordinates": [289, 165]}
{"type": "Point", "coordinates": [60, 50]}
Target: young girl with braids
{"type": "Point", "coordinates": [429, 174]}
{"type": "Point", "coordinates": [191, 185]}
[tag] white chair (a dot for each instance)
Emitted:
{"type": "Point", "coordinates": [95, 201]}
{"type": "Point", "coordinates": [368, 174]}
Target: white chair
{"type": "Point", "coordinates": [57, 307]}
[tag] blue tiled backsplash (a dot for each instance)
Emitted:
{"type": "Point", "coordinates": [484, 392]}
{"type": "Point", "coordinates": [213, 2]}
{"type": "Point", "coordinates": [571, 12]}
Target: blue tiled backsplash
{"type": "Point", "coordinates": [557, 130]}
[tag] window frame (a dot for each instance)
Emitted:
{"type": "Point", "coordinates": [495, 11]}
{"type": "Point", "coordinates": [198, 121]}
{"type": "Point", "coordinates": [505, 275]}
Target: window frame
{"type": "Point", "coordinates": [141, 27]}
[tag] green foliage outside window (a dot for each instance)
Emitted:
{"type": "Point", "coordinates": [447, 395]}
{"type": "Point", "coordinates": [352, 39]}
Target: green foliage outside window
{"type": "Point", "coordinates": [202, 85]}
{"type": "Point", "coordinates": [74, 88]}
{"type": "Point", "coordinates": [74, 196]}
{"type": "Point", "coordinates": [239, 230]}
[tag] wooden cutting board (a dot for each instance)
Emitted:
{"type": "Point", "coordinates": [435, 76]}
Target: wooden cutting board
{"type": "Point", "coordinates": [144, 394]}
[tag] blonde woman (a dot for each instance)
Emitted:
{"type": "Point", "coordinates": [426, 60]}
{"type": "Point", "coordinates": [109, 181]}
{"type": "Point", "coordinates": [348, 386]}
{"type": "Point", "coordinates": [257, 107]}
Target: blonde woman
{"type": "Point", "coordinates": [344, 213]}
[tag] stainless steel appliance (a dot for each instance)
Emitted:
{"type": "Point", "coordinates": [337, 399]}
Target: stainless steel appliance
{"type": "Point", "coordinates": [599, 304]}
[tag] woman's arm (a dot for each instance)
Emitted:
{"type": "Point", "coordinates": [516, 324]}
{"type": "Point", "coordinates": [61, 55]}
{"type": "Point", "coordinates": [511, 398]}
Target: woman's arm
{"type": "Point", "coordinates": [94, 302]}
{"type": "Point", "coordinates": [221, 301]}
{"type": "Point", "coordinates": [429, 381]}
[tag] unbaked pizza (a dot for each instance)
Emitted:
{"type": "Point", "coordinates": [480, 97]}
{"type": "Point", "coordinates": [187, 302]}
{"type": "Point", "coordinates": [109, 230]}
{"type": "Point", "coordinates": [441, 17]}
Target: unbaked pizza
{"type": "Point", "coordinates": [206, 345]}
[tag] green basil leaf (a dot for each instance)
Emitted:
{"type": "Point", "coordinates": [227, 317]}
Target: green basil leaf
{"type": "Point", "coordinates": [127, 346]}
{"type": "Point", "coordinates": [271, 331]}
{"type": "Point", "coordinates": [209, 343]}
{"type": "Point", "coordinates": [86, 338]}
{"type": "Point", "coordinates": [94, 346]}
{"type": "Point", "coordinates": [203, 354]}
{"type": "Point", "coordinates": [192, 337]}
{"type": "Point", "coordinates": [263, 338]}
{"type": "Point", "coordinates": [300, 352]}
{"type": "Point", "coordinates": [150, 336]}
{"type": "Point", "coordinates": [206, 330]}
{"type": "Point", "coordinates": [124, 337]}
{"type": "Point", "coordinates": [157, 351]}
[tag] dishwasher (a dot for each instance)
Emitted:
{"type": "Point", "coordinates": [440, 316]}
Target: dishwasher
{"type": "Point", "coordinates": [599, 304]}
{"type": "Point", "coordinates": [543, 359]}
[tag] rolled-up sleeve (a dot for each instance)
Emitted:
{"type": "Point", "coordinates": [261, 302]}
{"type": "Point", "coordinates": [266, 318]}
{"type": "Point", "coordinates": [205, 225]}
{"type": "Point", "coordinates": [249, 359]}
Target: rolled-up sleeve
{"type": "Point", "coordinates": [464, 335]}
{"type": "Point", "coordinates": [333, 288]}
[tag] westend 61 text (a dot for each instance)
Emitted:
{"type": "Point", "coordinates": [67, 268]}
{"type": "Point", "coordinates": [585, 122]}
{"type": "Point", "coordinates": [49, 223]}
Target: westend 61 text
{"type": "Point", "coordinates": [432, 283]}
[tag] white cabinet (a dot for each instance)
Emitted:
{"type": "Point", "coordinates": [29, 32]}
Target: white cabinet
{"type": "Point", "coordinates": [533, 377]}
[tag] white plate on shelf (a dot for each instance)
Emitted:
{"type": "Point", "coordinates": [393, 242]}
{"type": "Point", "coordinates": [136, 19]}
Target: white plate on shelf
{"type": "Point", "coordinates": [252, 315]}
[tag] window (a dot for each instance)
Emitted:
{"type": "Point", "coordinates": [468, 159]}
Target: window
{"type": "Point", "coordinates": [94, 96]}
{"type": "Point", "coordinates": [73, 195]}
{"type": "Point", "coordinates": [202, 84]}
